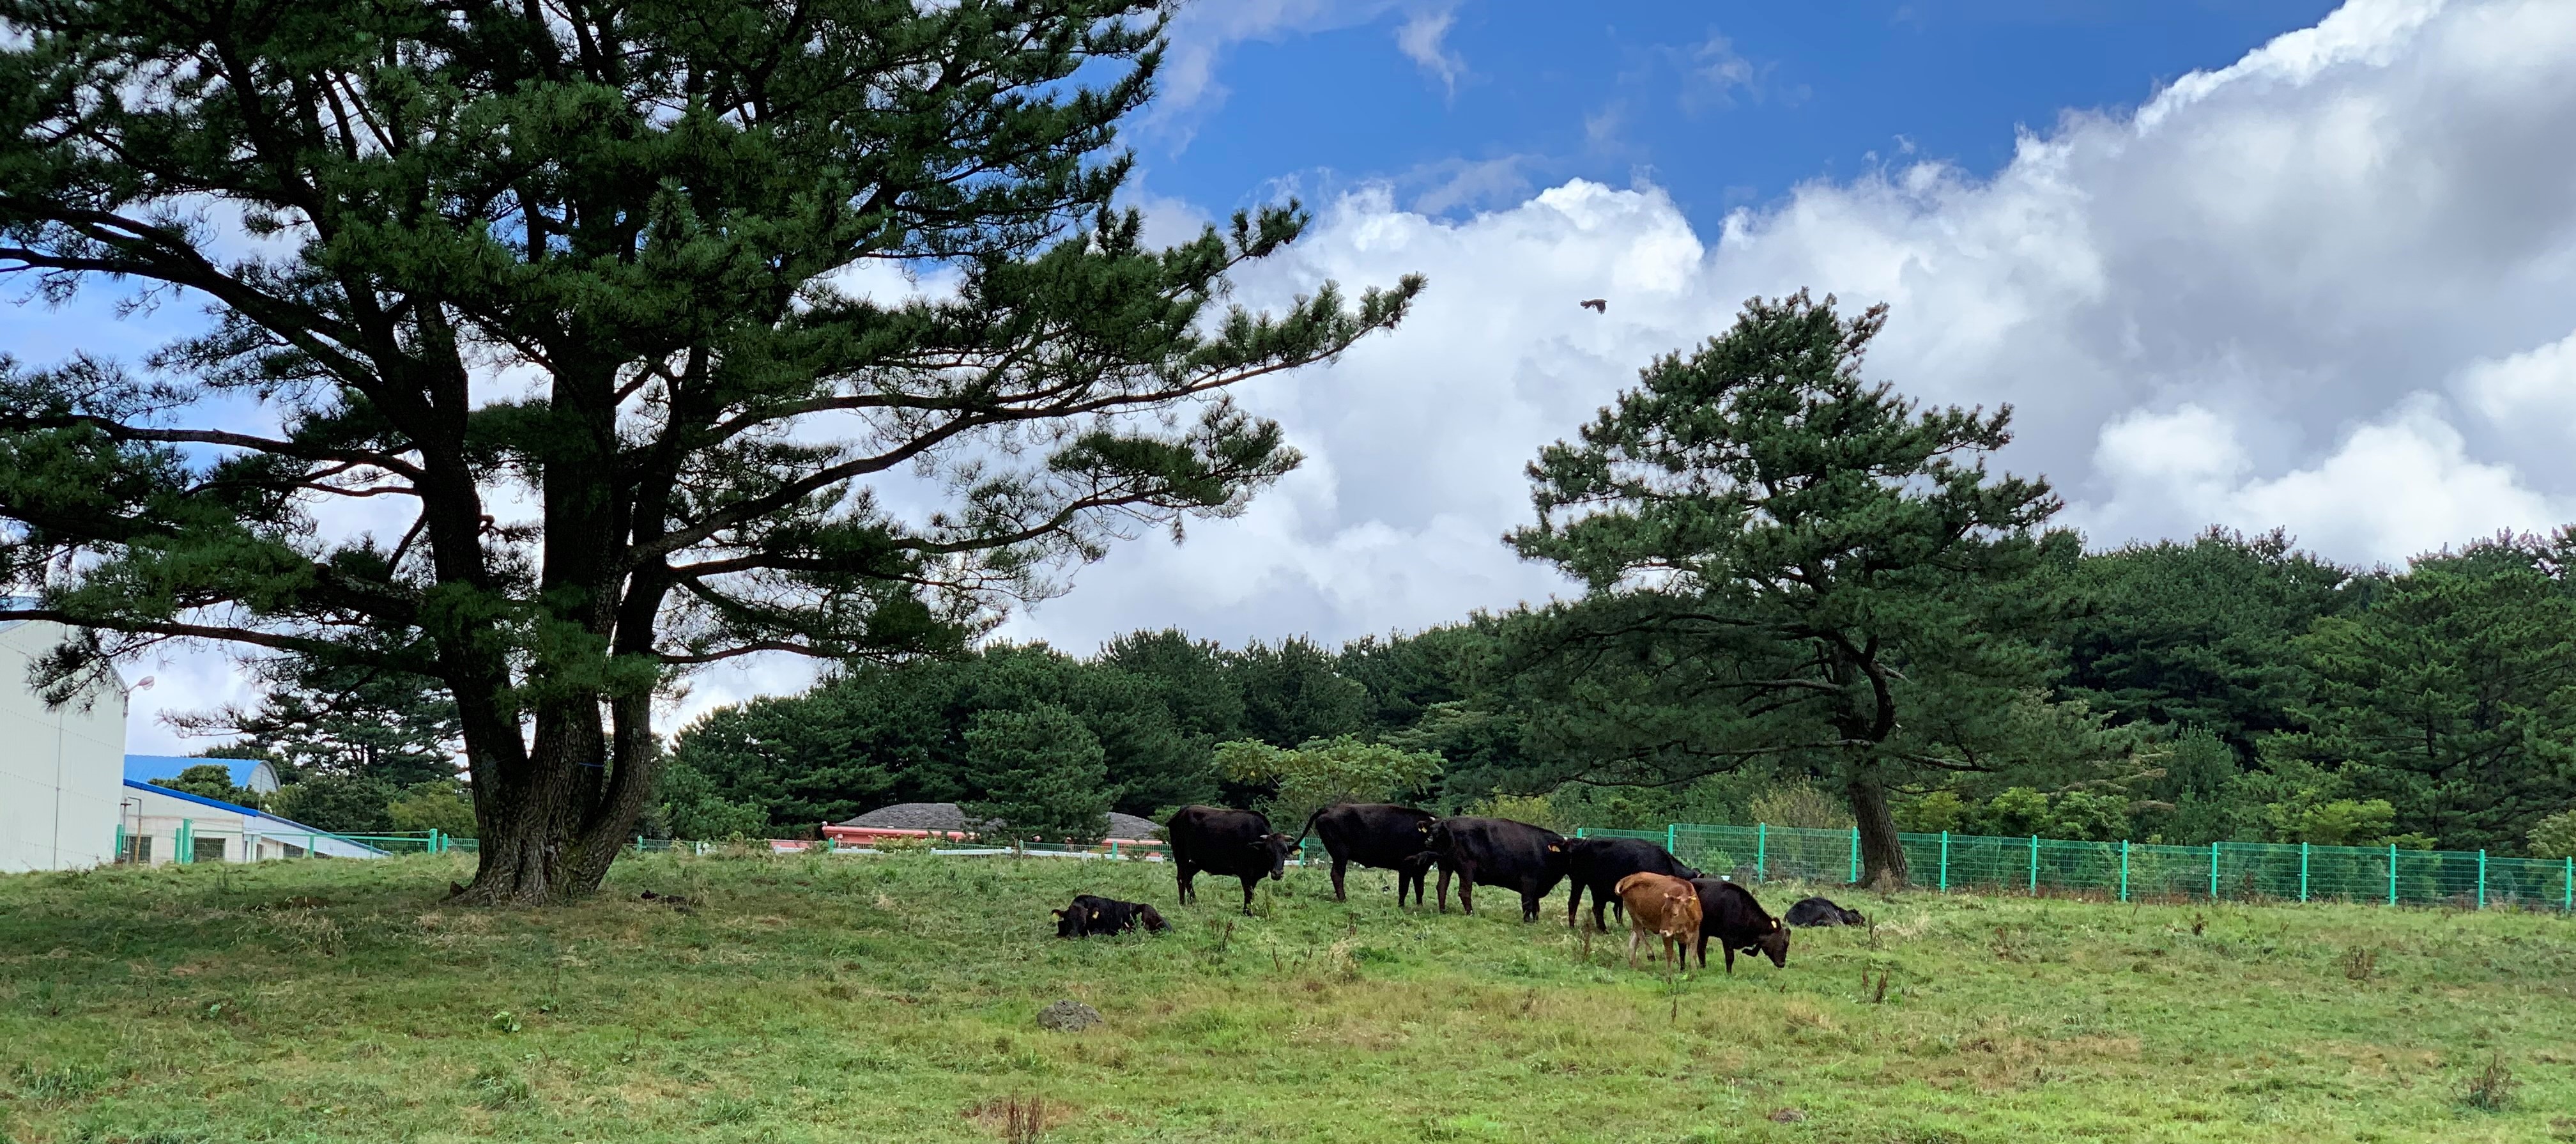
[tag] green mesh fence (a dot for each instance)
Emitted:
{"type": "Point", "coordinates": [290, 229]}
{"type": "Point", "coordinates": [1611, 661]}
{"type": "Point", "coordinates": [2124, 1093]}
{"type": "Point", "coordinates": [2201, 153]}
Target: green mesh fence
{"type": "Point", "coordinates": [2127, 871]}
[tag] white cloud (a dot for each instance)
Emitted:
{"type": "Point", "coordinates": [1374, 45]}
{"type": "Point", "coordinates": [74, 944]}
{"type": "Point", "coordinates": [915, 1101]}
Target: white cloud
{"type": "Point", "coordinates": [1420, 39]}
{"type": "Point", "coordinates": [2251, 303]}
{"type": "Point", "coordinates": [1202, 34]}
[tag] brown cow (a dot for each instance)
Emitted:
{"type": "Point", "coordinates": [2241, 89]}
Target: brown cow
{"type": "Point", "coordinates": [1663, 905]}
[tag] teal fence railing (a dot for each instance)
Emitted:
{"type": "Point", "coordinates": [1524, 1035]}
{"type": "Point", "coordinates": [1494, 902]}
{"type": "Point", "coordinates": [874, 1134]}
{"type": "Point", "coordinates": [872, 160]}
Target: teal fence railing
{"type": "Point", "coordinates": [2127, 871]}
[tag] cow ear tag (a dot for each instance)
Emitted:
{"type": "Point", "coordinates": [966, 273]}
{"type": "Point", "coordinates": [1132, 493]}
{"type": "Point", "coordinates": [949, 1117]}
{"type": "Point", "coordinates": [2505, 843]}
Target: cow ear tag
{"type": "Point", "coordinates": [1775, 923]}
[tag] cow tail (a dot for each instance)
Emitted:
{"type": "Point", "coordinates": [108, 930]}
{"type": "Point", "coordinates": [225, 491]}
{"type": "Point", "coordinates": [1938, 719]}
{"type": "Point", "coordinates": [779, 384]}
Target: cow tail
{"type": "Point", "coordinates": [1309, 828]}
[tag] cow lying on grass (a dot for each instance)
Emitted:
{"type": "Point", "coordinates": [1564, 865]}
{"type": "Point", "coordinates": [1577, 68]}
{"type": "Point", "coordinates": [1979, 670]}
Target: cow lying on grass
{"type": "Point", "coordinates": [1091, 916]}
{"type": "Point", "coordinates": [1665, 906]}
{"type": "Point", "coordinates": [1729, 914]}
{"type": "Point", "coordinates": [1810, 913]}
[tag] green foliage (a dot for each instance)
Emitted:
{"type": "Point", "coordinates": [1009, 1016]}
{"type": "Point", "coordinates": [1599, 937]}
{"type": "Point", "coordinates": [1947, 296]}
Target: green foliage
{"type": "Point", "coordinates": [1045, 775]}
{"type": "Point", "coordinates": [1799, 804]}
{"type": "Point", "coordinates": [443, 805]}
{"type": "Point", "coordinates": [2555, 836]}
{"type": "Point", "coordinates": [573, 287]}
{"type": "Point", "coordinates": [880, 735]}
{"type": "Point", "coordinates": [2335, 822]}
{"type": "Point", "coordinates": [319, 717]}
{"type": "Point", "coordinates": [212, 780]}
{"type": "Point", "coordinates": [1933, 813]}
{"type": "Point", "coordinates": [1534, 809]}
{"type": "Point", "coordinates": [691, 808]}
{"type": "Point", "coordinates": [1323, 772]}
{"type": "Point", "coordinates": [1788, 562]}
{"type": "Point", "coordinates": [2452, 696]}
{"type": "Point", "coordinates": [341, 804]}
{"type": "Point", "coordinates": [2199, 634]}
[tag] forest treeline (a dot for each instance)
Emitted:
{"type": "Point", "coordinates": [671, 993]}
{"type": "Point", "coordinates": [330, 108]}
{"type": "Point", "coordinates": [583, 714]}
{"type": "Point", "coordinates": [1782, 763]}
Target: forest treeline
{"type": "Point", "coordinates": [2225, 687]}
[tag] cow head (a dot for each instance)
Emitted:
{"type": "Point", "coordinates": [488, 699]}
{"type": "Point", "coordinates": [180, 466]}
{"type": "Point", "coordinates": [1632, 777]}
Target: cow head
{"type": "Point", "coordinates": [1154, 922]}
{"type": "Point", "coordinates": [1274, 849]}
{"type": "Point", "coordinates": [1070, 923]}
{"type": "Point", "coordinates": [1773, 944]}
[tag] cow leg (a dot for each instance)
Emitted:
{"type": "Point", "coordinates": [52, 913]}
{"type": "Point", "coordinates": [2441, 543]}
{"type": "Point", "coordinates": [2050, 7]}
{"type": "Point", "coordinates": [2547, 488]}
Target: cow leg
{"type": "Point", "coordinates": [1633, 935]}
{"type": "Point", "coordinates": [1597, 905]}
{"type": "Point", "coordinates": [1730, 959]}
{"type": "Point", "coordinates": [1574, 901]}
{"type": "Point", "coordinates": [1185, 872]}
{"type": "Point", "coordinates": [1530, 904]}
{"type": "Point", "coordinates": [1248, 884]}
{"type": "Point", "coordinates": [1467, 888]}
{"type": "Point", "coordinates": [1703, 951]}
{"type": "Point", "coordinates": [1340, 864]}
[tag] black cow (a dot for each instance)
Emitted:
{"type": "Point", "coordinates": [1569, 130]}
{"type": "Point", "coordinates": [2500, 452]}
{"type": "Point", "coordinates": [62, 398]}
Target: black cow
{"type": "Point", "coordinates": [1227, 843]}
{"type": "Point", "coordinates": [1812, 912]}
{"type": "Point", "coordinates": [1501, 853]}
{"type": "Point", "coordinates": [1728, 913]}
{"type": "Point", "coordinates": [1597, 864]}
{"type": "Point", "coordinates": [1378, 834]}
{"type": "Point", "coordinates": [1091, 916]}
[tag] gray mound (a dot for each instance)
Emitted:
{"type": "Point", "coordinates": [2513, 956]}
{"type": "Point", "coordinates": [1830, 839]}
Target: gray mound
{"type": "Point", "coordinates": [1068, 1016]}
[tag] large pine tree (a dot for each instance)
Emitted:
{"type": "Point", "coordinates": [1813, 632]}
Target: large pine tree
{"type": "Point", "coordinates": [577, 296]}
{"type": "Point", "coordinates": [1790, 563]}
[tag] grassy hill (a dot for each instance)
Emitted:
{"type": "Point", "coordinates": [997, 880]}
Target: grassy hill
{"type": "Point", "coordinates": [892, 998]}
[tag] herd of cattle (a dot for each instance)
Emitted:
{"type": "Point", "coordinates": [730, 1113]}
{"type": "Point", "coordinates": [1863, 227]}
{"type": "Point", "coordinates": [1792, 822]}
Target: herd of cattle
{"type": "Point", "coordinates": [1654, 891]}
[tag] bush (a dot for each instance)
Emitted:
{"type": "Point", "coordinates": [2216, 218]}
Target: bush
{"type": "Point", "coordinates": [1797, 804]}
{"type": "Point", "coordinates": [1933, 813]}
{"type": "Point", "coordinates": [211, 780]}
{"type": "Point", "coordinates": [2555, 837]}
{"type": "Point", "coordinates": [442, 805]}
{"type": "Point", "coordinates": [1533, 809]}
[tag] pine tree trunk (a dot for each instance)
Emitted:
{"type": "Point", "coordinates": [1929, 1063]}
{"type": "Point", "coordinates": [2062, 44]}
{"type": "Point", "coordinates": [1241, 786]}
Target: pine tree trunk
{"type": "Point", "coordinates": [550, 831]}
{"type": "Point", "coordinates": [1882, 855]}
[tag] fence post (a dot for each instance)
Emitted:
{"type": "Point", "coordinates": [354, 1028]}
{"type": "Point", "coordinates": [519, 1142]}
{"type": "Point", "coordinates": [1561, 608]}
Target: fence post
{"type": "Point", "coordinates": [2124, 869]}
{"type": "Point", "coordinates": [185, 842]}
{"type": "Point", "coordinates": [2392, 873]}
{"type": "Point", "coordinates": [1671, 829]}
{"type": "Point", "coordinates": [2034, 865]}
{"type": "Point", "coordinates": [1945, 861]}
{"type": "Point", "coordinates": [120, 840]}
{"type": "Point", "coordinates": [2213, 871]}
{"type": "Point", "coordinates": [2482, 879]}
{"type": "Point", "coordinates": [312, 845]}
{"type": "Point", "coordinates": [2303, 871]}
{"type": "Point", "coordinates": [2566, 897]}
{"type": "Point", "coordinates": [1761, 849]}
{"type": "Point", "coordinates": [1578, 831]}
{"type": "Point", "coordinates": [639, 843]}
{"type": "Point", "coordinates": [1856, 855]}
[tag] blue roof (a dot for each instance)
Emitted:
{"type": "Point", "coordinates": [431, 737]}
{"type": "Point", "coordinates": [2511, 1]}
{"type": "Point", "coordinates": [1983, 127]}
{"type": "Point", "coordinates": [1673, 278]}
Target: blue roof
{"type": "Point", "coordinates": [245, 811]}
{"type": "Point", "coordinates": [145, 768]}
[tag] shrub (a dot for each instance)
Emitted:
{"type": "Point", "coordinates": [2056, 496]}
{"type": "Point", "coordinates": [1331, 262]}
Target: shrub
{"type": "Point", "coordinates": [2555, 837]}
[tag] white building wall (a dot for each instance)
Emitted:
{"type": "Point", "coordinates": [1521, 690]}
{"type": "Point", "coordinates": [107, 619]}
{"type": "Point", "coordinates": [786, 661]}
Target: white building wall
{"type": "Point", "coordinates": [62, 772]}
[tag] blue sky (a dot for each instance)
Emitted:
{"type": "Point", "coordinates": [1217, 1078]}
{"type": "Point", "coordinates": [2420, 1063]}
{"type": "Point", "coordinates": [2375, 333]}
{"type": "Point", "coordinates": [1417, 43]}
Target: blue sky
{"type": "Point", "coordinates": [1721, 104]}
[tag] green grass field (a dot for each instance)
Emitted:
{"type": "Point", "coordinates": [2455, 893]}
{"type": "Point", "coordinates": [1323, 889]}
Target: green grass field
{"type": "Point", "coordinates": [886, 998]}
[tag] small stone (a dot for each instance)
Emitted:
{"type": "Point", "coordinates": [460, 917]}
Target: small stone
{"type": "Point", "coordinates": [1787, 1116]}
{"type": "Point", "coordinates": [1068, 1016]}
